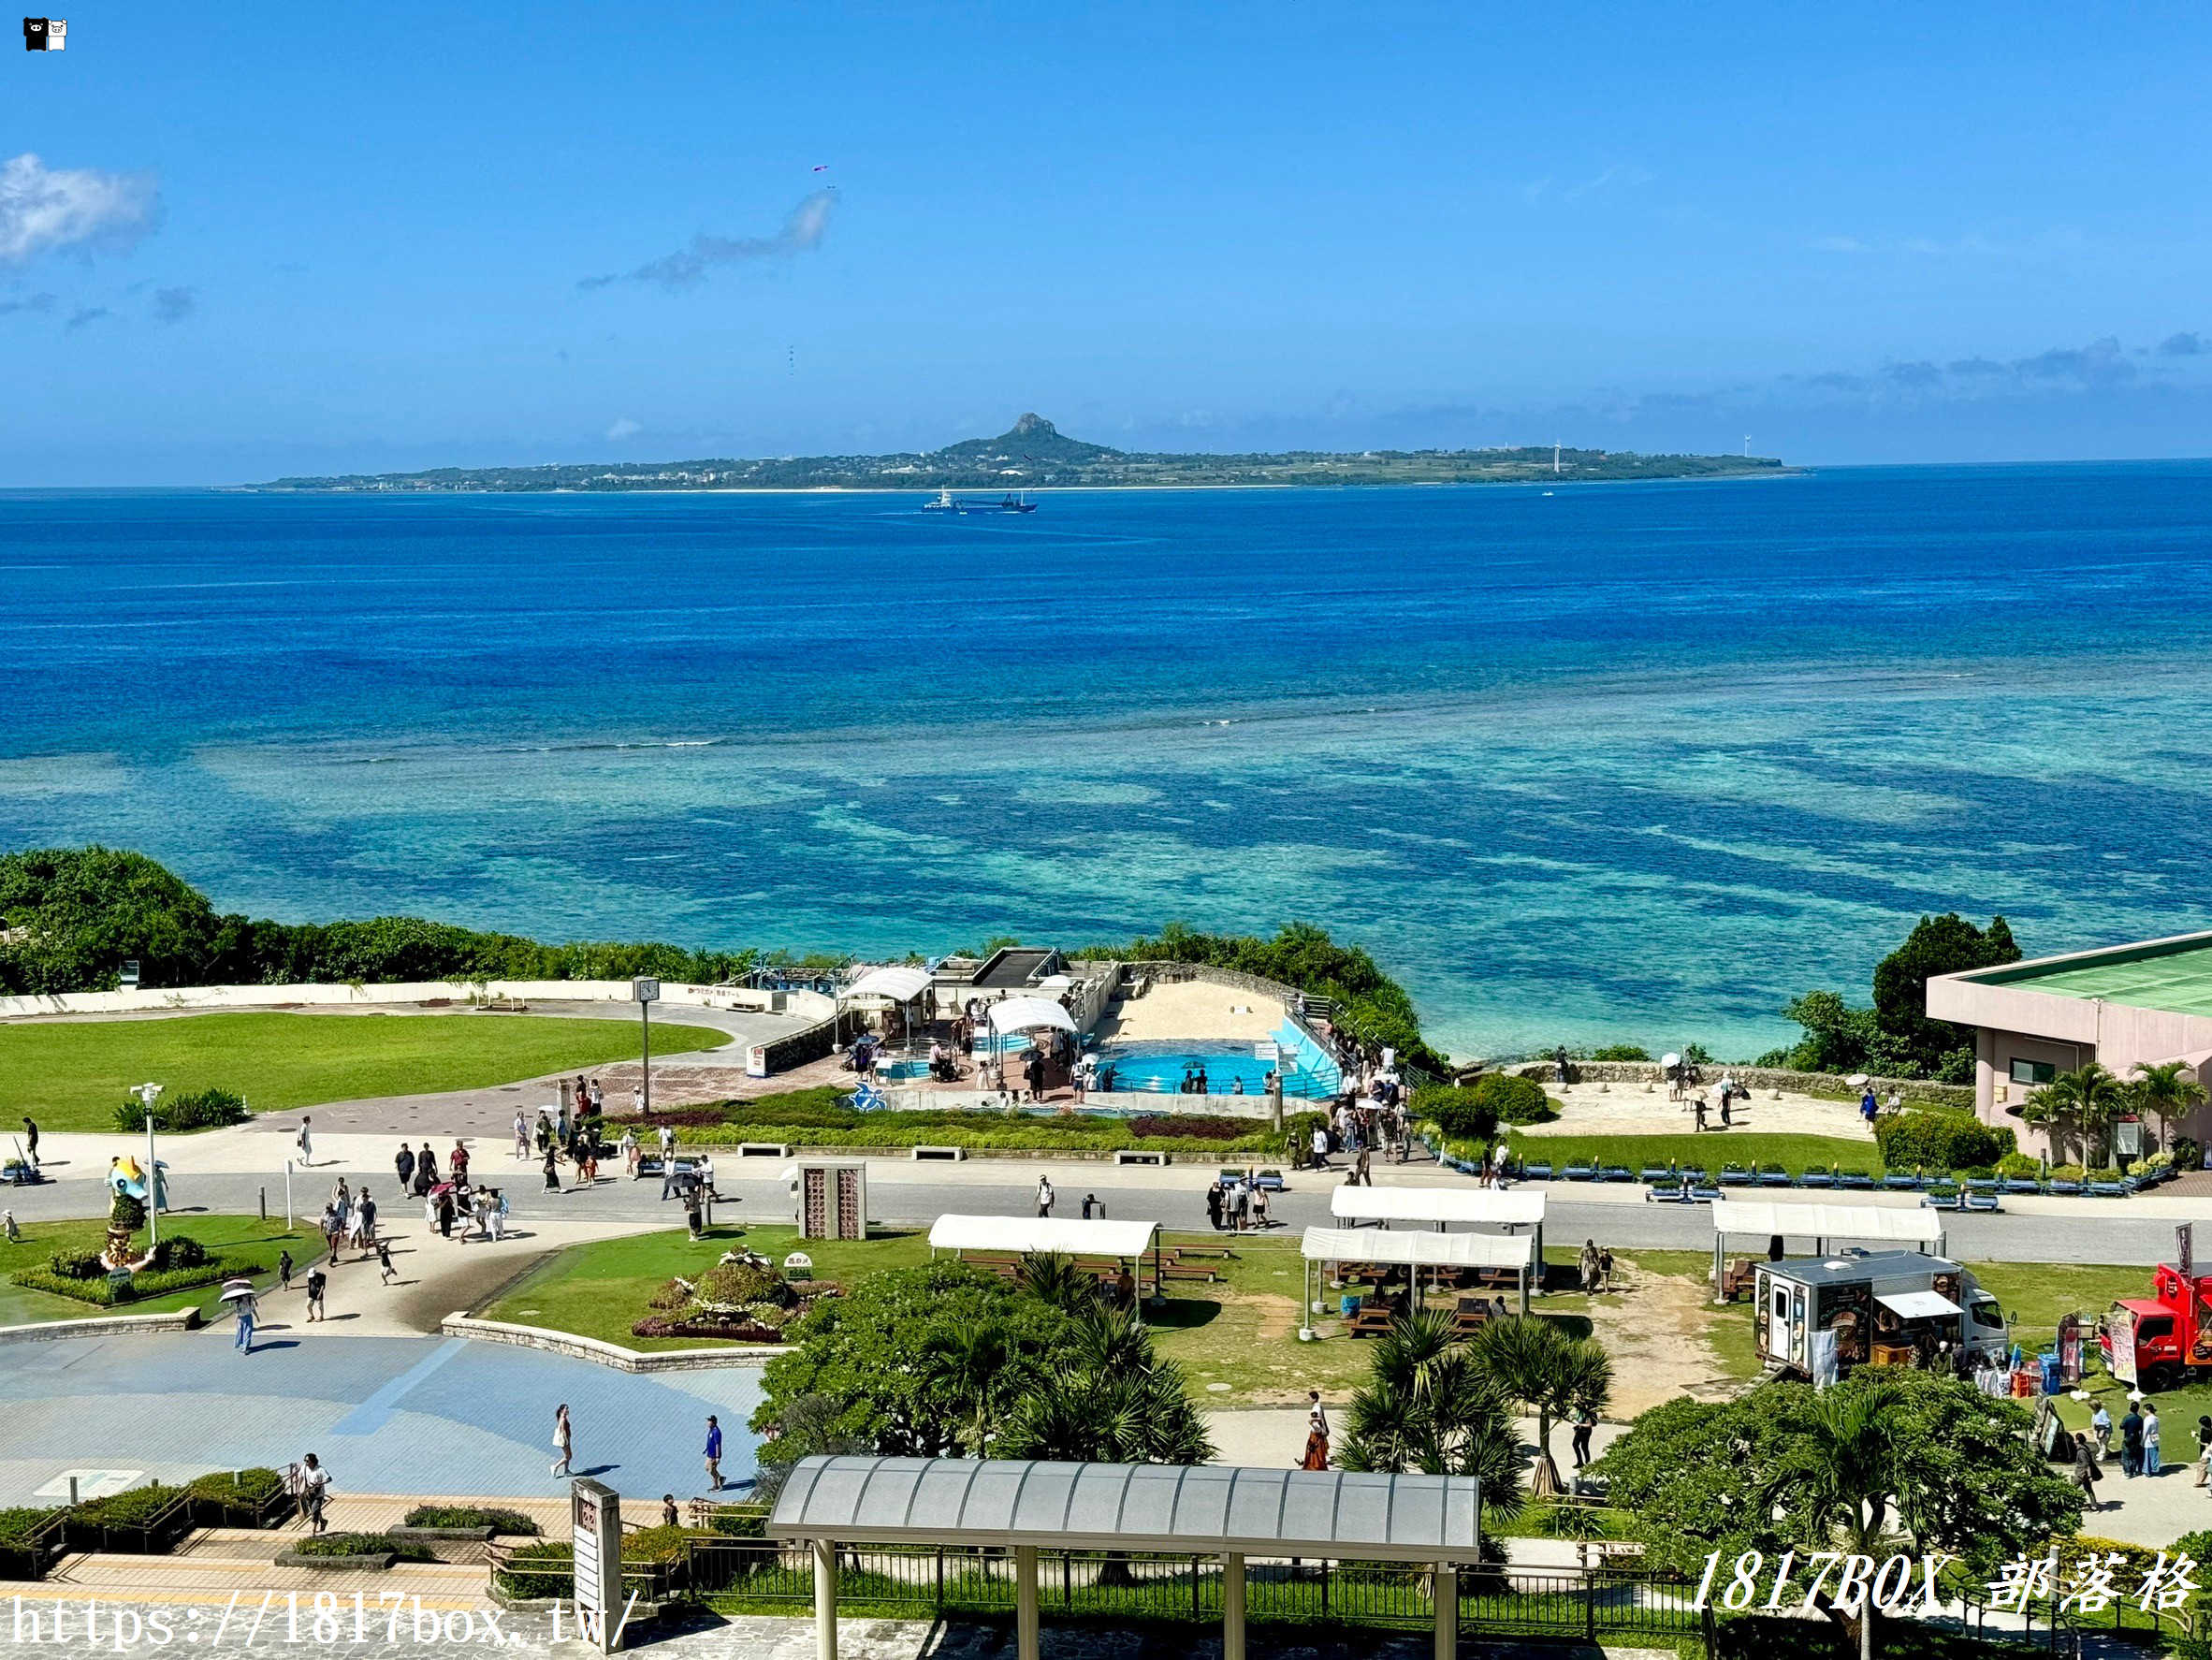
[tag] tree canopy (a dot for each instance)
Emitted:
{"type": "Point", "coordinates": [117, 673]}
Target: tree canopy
{"type": "Point", "coordinates": [1775, 1470]}
{"type": "Point", "coordinates": [944, 1360]}
{"type": "Point", "coordinates": [1894, 1035]}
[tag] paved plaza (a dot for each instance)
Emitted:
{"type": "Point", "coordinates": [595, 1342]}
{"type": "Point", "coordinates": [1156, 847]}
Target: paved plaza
{"type": "Point", "coordinates": [386, 1415]}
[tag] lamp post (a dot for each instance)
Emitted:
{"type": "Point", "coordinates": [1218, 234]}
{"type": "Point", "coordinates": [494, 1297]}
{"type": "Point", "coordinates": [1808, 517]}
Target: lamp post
{"type": "Point", "coordinates": [150, 1093]}
{"type": "Point", "coordinates": [646, 989]}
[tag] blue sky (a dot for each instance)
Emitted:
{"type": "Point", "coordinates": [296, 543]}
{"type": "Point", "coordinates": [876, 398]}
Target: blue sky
{"type": "Point", "coordinates": [264, 240]}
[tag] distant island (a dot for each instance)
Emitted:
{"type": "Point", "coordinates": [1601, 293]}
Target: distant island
{"type": "Point", "coordinates": [1033, 454]}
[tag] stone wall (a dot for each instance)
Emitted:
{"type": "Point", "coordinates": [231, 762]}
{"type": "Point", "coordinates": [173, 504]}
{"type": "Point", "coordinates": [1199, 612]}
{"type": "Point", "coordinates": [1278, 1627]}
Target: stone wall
{"type": "Point", "coordinates": [1834, 1085]}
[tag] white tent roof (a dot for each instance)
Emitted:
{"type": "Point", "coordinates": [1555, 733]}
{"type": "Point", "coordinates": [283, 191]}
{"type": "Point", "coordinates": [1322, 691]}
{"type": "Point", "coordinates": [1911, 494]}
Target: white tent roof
{"type": "Point", "coordinates": [900, 984]}
{"type": "Point", "coordinates": [1826, 1221]}
{"type": "Point", "coordinates": [1070, 1236]}
{"type": "Point", "coordinates": [1521, 1207]}
{"type": "Point", "coordinates": [1422, 1250]}
{"type": "Point", "coordinates": [1920, 1305]}
{"type": "Point", "coordinates": [1018, 1015]}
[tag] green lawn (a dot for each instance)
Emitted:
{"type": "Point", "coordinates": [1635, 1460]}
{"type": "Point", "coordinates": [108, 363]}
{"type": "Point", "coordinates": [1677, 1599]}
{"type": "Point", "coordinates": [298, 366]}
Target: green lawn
{"type": "Point", "coordinates": [236, 1237]}
{"type": "Point", "coordinates": [71, 1075]}
{"type": "Point", "coordinates": [1709, 1150]}
{"type": "Point", "coordinates": [599, 1290]}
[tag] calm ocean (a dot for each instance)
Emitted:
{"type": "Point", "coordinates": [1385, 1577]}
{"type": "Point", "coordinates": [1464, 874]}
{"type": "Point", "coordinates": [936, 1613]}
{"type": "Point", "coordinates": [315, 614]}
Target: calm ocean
{"type": "Point", "coordinates": [1621, 761]}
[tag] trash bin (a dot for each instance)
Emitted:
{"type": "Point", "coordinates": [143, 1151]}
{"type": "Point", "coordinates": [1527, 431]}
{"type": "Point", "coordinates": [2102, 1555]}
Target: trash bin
{"type": "Point", "coordinates": [2050, 1372]}
{"type": "Point", "coordinates": [1347, 1306]}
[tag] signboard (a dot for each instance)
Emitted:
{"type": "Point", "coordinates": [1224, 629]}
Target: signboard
{"type": "Point", "coordinates": [645, 989]}
{"type": "Point", "coordinates": [2122, 1333]}
{"type": "Point", "coordinates": [2127, 1137]}
{"type": "Point", "coordinates": [1268, 1051]}
{"type": "Point", "coordinates": [595, 1513]}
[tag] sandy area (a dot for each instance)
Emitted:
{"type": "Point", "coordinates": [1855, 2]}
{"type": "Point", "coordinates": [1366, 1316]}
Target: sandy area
{"type": "Point", "coordinates": [1654, 1332]}
{"type": "Point", "coordinates": [1637, 1109]}
{"type": "Point", "coordinates": [1192, 1009]}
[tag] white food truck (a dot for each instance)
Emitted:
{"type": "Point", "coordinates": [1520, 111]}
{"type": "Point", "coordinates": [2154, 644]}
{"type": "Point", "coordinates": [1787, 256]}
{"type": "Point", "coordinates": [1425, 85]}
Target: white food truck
{"type": "Point", "coordinates": [1897, 1308]}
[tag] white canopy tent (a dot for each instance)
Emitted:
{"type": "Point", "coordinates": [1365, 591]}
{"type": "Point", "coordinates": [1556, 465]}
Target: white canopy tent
{"type": "Point", "coordinates": [1519, 1208]}
{"type": "Point", "coordinates": [1820, 1223]}
{"type": "Point", "coordinates": [1070, 1236]}
{"type": "Point", "coordinates": [1475, 1206]}
{"type": "Point", "coordinates": [899, 983]}
{"type": "Point", "coordinates": [1419, 1250]}
{"type": "Point", "coordinates": [1021, 1014]}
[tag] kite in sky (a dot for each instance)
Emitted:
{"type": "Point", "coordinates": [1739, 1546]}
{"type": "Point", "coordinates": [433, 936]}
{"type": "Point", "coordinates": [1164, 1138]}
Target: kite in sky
{"type": "Point", "coordinates": [823, 168]}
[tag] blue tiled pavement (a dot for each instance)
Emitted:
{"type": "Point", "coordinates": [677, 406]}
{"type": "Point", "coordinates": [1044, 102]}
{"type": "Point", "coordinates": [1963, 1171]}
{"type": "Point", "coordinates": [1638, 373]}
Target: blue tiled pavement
{"type": "Point", "coordinates": [387, 1415]}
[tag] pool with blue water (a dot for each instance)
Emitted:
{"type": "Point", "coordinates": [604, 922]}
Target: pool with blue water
{"type": "Point", "coordinates": [1160, 1068]}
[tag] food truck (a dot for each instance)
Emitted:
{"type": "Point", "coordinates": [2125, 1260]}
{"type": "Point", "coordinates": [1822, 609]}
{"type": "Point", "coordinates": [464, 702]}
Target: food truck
{"type": "Point", "coordinates": [1887, 1308]}
{"type": "Point", "coordinates": [2162, 1339]}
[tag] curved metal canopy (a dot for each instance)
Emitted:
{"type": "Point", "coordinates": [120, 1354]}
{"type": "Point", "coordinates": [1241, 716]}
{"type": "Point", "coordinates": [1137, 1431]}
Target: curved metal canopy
{"type": "Point", "coordinates": [899, 983]}
{"type": "Point", "coordinates": [1021, 1014]}
{"type": "Point", "coordinates": [1205, 1508]}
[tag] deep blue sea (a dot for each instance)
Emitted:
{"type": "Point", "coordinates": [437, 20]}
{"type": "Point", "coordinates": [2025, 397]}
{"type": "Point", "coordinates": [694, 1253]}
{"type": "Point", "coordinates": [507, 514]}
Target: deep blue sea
{"type": "Point", "coordinates": [1631, 762]}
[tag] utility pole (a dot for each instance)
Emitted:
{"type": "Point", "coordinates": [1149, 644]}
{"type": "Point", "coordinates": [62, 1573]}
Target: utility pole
{"type": "Point", "coordinates": [150, 1093]}
{"type": "Point", "coordinates": [646, 989]}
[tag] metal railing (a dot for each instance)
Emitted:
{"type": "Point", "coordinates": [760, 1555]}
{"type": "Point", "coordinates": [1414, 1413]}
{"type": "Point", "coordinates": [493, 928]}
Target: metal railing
{"type": "Point", "coordinates": [741, 1574]}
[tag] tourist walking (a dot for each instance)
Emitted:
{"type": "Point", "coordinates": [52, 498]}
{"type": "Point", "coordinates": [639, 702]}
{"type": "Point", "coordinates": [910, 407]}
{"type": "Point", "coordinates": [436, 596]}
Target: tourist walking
{"type": "Point", "coordinates": [31, 1141]}
{"type": "Point", "coordinates": [1605, 1266]}
{"type": "Point", "coordinates": [315, 1488]}
{"type": "Point", "coordinates": [7, 1228]}
{"type": "Point", "coordinates": [384, 1262]}
{"type": "Point", "coordinates": [404, 1162]}
{"type": "Point", "coordinates": [1697, 1110]}
{"type": "Point", "coordinates": [1321, 1146]}
{"type": "Point", "coordinates": [2086, 1472]}
{"type": "Point", "coordinates": [1214, 1205]}
{"type": "Point", "coordinates": [714, 1454]}
{"type": "Point", "coordinates": [564, 1440]}
{"type": "Point", "coordinates": [366, 1213]}
{"type": "Point", "coordinates": [456, 1164]}
{"type": "Point", "coordinates": [425, 1170]}
{"type": "Point", "coordinates": [285, 1271]}
{"type": "Point", "coordinates": [2150, 1438]}
{"type": "Point", "coordinates": [247, 1310]}
{"type": "Point", "coordinates": [2203, 1449]}
{"type": "Point", "coordinates": [552, 1170]}
{"type": "Point", "coordinates": [317, 1281]}
{"type": "Point", "coordinates": [1044, 1196]}
{"type": "Point", "coordinates": [1585, 1421]}
{"type": "Point", "coordinates": [521, 1134]}
{"type": "Point", "coordinates": [2132, 1442]}
{"type": "Point", "coordinates": [499, 1214]}
{"type": "Point", "coordinates": [628, 1146]}
{"type": "Point", "coordinates": [306, 1139]}
{"type": "Point", "coordinates": [446, 1212]}
{"type": "Point", "coordinates": [1317, 1433]}
{"type": "Point", "coordinates": [2101, 1426]}
{"type": "Point", "coordinates": [1589, 1266]}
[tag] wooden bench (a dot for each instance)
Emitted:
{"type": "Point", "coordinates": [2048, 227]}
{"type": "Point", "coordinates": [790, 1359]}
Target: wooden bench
{"type": "Point", "coordinates": [1192, 1271]}
{"type": "Point", "coordinates": [1736, 1279]}
{"type": "Point", "coordinates": [1370, 1319]}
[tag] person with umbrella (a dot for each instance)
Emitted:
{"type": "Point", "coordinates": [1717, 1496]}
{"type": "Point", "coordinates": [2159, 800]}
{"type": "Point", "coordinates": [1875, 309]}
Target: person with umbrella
{"type": "Point", "coordinates": [239, 1293]}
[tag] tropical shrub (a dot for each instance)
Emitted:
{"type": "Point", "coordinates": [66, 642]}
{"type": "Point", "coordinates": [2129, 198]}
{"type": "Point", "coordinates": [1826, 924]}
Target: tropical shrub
{"type": "Point", "coordinates": [505, 1522]}
{"type": "Point", "coordinates": [76, 1264]}
{"type": "Point", "coordinates": [179, 1251]}
{"type": "Point", "coordinates": [1456, 1111]}
{"type": "Point", "coordinates": [1919, 1138]}
{"type": "Point", "coordinates": [1620, 1052]}
{"type": "Point", "coordinates": [205, 1109]}
{"type": "Point", "coordinates": [241, 1495]}
{"type": "Point", "coordinates": [1192, 1125]}
{"type": "Point", "coordinates": [134, 1508]}
{"type": "Point", "coordinates": [152, 1283]}
{"type": "Point", "coordinates": [20, 1522]}
{"type": "Point", "coordinates": [360, 1544]}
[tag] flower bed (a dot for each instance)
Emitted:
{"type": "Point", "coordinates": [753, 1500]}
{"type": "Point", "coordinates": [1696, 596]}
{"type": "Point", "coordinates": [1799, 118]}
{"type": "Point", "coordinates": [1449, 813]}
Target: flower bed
{"type": "Point", "coordinates": [153, 1283]}
{"type": "Point", "coordinates": [499, 1521]}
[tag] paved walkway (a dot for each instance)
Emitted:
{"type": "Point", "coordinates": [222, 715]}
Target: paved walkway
{"type": "Point", "coordinates": [386, 1415]}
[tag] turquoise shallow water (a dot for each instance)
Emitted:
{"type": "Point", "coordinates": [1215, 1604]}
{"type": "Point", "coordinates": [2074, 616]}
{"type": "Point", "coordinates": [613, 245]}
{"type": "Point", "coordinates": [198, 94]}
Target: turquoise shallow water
{"type": "Point", "coordinates": [1631, 762]}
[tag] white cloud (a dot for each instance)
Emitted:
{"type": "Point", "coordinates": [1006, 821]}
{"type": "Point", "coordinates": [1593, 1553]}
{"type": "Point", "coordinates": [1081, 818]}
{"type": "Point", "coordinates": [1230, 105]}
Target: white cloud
{"type": "Point", "coordinates": [42, 208]}
{"type": "Point", "coordinates": [625, 428]}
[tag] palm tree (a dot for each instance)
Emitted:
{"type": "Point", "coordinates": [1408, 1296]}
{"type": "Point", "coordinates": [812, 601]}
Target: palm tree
{"type": "Point", "coordinates": [1533, 1360]}
{"type": "Point", "coordinates": [1051, 1277]}
{"type": "Point", "coordinates": [1111, 1401]}
{"type": "Point", "coordinates": [2087, 1098]}
{"type": "Point", "coordinates": [2166, 1091]}
{"type": "Point", "coordinates": [1850, 1462]}
{"type": "Point", "coordinates": [973, 1368]}
{"type": "Point", "coordinates": [1427, 1406]}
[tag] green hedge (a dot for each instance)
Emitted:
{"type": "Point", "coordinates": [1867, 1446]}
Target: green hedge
{"type": "Point", "coordinates": [505, 1522]}
{"type": "Point", "coordinates": [360, 1544]}
{"type": "Point", "coordinates": [812, 1123]}
{"type": "Point", "coordinates": [242, 1498]}
{"type": "Point", "coordinates": [153, 1283]}
{"type": "Point", "coordinates": [132, 1509]}
{"type": "Point", "coordinates": [1476, 1109]}
{"type": "Point", "coordinates": [18, 1524]}
{"type": "Point", "coordinates": [1919, 1140]}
